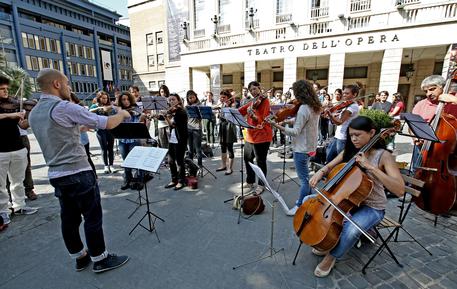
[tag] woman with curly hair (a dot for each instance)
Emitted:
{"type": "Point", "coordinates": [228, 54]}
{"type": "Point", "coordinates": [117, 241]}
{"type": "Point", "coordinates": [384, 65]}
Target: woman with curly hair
{"type": "Point", "coordinates": [305, 133]}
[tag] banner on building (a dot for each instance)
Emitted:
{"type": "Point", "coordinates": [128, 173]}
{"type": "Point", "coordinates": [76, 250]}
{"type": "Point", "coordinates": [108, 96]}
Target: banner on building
{"type": "Point", "coordinates": [107, 68]}
{"type": "Point", "coordinates": [177, 14]}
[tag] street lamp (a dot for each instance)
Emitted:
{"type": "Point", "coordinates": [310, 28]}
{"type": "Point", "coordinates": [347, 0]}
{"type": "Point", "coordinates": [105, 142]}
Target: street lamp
{"type": "Point", "coordinates": [251, 15]}
{"type": "Point", "coordinates": [215, 20]}
{"type": "Point", "coordinates": [185, 27]}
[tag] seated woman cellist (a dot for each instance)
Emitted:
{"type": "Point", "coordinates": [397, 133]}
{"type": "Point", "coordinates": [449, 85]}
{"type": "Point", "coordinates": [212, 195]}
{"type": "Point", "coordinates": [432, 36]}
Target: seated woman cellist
{"type": "Point", "coordinates": [380, 167]}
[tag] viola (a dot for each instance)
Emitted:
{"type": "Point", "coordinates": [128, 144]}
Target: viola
{"type": "Point", "coordinates": [438, 168]}
{"type": "Point", "coordinates": [319, 220]}
{"type": "Point", "coordinates": [287, 111]}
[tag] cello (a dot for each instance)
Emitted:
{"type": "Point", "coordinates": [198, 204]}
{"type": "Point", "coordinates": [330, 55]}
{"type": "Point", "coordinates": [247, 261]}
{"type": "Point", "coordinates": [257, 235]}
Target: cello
{"type": "Point", "coordinates": [437, 162]}
{"type": "Point", "coordinates": [319, 220]}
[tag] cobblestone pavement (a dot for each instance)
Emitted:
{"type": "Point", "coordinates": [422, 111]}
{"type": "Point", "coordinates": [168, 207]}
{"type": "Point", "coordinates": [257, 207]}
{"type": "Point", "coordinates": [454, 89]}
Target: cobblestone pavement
{"type": "Point", "coordinates": [200, 240]}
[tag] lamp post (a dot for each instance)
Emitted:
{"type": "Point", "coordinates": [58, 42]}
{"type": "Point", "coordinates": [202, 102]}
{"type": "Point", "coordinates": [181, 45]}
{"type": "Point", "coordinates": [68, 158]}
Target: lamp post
{"type": "Point", "coordinates": [185, 27]}
{"type": "Point", "coordinates": [251, 15]}
{"type": "Point", "coordinates": [215, 20]}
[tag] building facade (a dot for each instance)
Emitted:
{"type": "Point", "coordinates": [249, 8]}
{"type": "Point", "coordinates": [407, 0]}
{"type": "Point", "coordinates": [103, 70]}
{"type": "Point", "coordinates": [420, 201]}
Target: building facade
{"type": "Point", "coordinates": [381, 45]}
{"type": "Point", "coordinates": [79, 38]}
{"type": "Point", "coordinates": [149, 43]}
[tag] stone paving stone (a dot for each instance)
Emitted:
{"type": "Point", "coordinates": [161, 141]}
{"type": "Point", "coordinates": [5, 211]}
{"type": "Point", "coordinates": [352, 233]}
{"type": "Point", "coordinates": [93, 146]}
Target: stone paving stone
{"type": "Point", "coordinates": [436, 286]}
{"type": "Point", "coordinates": [345, 284]}
{"type": "Point", "coordinates": [384, 286]}
{"type": "Point", "coordinates": [358, 281]}
{"type": "Point", "coordinates": [448, 283]}
{"type": "Point", "coordinates": [399, 285]}
{"type": "Point", "coordinates": [420, 277]}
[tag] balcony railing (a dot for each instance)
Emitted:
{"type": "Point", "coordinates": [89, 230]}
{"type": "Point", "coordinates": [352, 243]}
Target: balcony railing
{"type": "Point", "coordinates": [360, 5]}
{"type": "Point", "coordinates": [318, 12]}
{"type": "Point", "coordinates": [221, 29]}
{"type": "Point", "coordinates": [248, 23]}
{"type": "Point", "coordinates": [404, 2]}
{"type": "Point", "coordinates": [409, 15]}
{"type": "Point", "coordinates": [283, 18]}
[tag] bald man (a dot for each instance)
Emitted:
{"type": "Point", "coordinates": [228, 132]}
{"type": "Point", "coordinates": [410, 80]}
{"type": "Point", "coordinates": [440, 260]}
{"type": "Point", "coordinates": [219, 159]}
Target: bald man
{"type": "Point", "coordinates": [55, 122]}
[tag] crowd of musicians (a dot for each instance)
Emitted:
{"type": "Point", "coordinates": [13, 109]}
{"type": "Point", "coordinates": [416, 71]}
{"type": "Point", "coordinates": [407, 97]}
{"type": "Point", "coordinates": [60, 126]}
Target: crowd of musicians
{"type": "Point", "coordinates": [60, 124]}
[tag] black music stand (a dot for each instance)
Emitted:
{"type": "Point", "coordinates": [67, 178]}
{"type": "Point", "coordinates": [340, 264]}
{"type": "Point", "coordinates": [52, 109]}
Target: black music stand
{"type": "Point", "coordinates": [155, 103]}
{"type": "Point", "coordinates": [146, 159]}
{"type": "Point", "coordinates": [233, 116]}
{"type": "Point", "coordinates": [201, 112]}
{"type": "Point", "coordinates": [419, 127]}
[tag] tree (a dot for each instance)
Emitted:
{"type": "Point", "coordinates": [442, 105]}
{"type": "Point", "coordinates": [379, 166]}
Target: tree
{"type": "Point", "coordinates": [15, 75]}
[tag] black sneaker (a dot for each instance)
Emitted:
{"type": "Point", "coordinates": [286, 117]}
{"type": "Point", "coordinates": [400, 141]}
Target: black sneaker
{"type": "Point", "coordinates": [125, 186]}
{"type": "Point", "coordinates": [82, 263]}
{"type": "Point", "coordinates": [109, 263]}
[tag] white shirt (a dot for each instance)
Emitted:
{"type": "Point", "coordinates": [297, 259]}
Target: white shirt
{"type": "Point", "coordinates": [341, 130]}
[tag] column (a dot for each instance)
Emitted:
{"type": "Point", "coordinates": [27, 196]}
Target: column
{"type": "Point", "coordinates": [249, 72]}
{"type": "Point", "coordinates": [290, 72]}
{"type": "Point", "coordinates": [216, 79]}
{"type": "Point", "coordinates": [116, 71]}
{"type": "Point", "coordinates": [390, 70]}
{"type": "Point", "coordinates": [336, 71]}
{"type": "Point", "coordinates": [98, 60]}
{"type": "Point", "coordinates": [17, 30]}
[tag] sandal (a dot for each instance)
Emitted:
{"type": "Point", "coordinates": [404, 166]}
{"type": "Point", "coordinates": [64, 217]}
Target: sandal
{"type": "Point", "coordinates": [318, 272]}
{"type": "Point", "coordinates": [228, 172]}
{"type": "Point", "coordinates": [170, 185]}
{"type": "Point", "coordinates": [221, 169]}
{"type": "Point", "coordinates": [179, 186]}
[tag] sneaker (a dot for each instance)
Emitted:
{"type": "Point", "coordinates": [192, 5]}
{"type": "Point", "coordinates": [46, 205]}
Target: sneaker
{"type": "Point", "coordinates": [5, 218]}
{"type": "Point", "coordinates": [259, 190]}
{"type": "Point", "coordinates": [112, 169]}
{"type": "Point", "coordinates": [31, 195]}
{"type": "Point", "coordinates": [111, 262]}
{"type": "Point", "coordinates": [106, 170]}
{"type": "Point", "coordinates": [26, 211]}
{"type": "Point", "coordinates": [292, 211]}
{"type": "Point", "coordinates": [248, 186]}
{"type": "Point", "coordinates": [82, 263]}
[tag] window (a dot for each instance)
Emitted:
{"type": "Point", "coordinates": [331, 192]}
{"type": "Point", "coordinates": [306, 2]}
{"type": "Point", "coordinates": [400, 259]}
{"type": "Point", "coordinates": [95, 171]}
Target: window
{"type": "Point", "coordinates": [159, 37]}
{"type": "Point", "coordinates": [160, 83]}
{"type": "Point", "coordinates": [30, 41]}
{"type": "Point", "coordinates": [89, 53]}
{"type": "Point", "coordinates": [45, 63]}
{"type": "Point", "coordinates": [28, 61]}
{"type": "Point", "coordinates": [227, 79]}
{"type": "Point", "coordinates": [53, 45]}
{"type": "Point", "coordinates": [151, 60]}
{"type": "Point", "coordinates": [82, 69]}
{"type": "Point", "coordinates": [150, 39]}
{"type": "Point", "coordinates": [278, 76]}
{"type": "Point", "coordinates": [160, 60]}
{"type": "Point", "coordinates": [35, 65]}
{"type": "Point", "coordinates": [317, 74]}
{"type": "Point", "coordinates": [55, 64]}
{"type": "Point", "coordinates": [25, 43]}
{"type": "Point", "coordinates": [72, 49]}
{"type": "Point", "coordinates": [355, 72]}
{"type": "Point", "coordinates": [43, 45]}
{"type": "Point", "coordinates": [438, 68]}
{"type": "Point", "coordinates": [74, 68]}
{"type": "Point", "coordinates": [80, 51]}
{"type": "Point", "coordinates": [152, 85]}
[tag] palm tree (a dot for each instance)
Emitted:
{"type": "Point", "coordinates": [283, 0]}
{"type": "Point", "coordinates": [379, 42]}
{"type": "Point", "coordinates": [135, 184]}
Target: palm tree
{"type": "Point", "coordinates": [15, 75]}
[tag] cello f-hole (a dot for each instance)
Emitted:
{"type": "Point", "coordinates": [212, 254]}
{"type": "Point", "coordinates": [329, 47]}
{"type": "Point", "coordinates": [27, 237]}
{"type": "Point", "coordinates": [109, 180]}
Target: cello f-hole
{"type": "Point", "coordinates": [325, 214]}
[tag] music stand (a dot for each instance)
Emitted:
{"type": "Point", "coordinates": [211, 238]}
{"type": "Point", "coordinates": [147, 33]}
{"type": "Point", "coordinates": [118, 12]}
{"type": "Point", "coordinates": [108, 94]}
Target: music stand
{"type": "Point", "coordinates": [155, 103]}
{"type": "Point", "coordinates": [419, 127]}
{"type": "Point", "coordinates": [201, 112]}
{"type": "Point", "coordinates": [146, 159]}
{"type": "Point", "coordinates": [233, 116]}
{"type": "Point", "coordinates": [271, 249]}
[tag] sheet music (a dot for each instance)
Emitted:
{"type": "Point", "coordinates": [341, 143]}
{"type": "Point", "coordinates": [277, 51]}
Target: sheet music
{"type": "Point", "coordinates": [258, 172]}
{"type": "Point", "coordinates": [155, 103]}
{"type": "Point", "coordinates": [145, 158]}
{"type": "Point", "coordinates": [234, 116]}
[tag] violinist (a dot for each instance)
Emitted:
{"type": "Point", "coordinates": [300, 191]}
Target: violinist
{"type": "Point", "coordinates": [104, 136]}
{"type": "Point", "coordinates": [194, 127]}
{"type": "Point", "coordinates": [208, 124]}
{"type": "Point", "coordinates": [126, 101]}
{"type": "Point", "coordinates": [13, 158]}
{"type": "Point", "coordinates": [342, 120]}
{"type": "Point", "coordinates": [433, 86]}
{"type": "Point", "coordinates": [380, 167]}
{"type": "Point", "coordinates": [257, 139]}
{"type": "Point", "coordinates": [305, 132]}
{"type": "Point", "coordinates": [177, 143]}
{"type": "Point", "coordinates": [227, 135]}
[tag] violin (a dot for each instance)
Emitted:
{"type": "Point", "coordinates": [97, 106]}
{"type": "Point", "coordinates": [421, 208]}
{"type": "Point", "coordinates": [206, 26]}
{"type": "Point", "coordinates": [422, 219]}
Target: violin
{"type": "Point", "coordinates": [289, 110]}
{"type": "Point", "coordinates": [11, 105]}
{"type": "Point", "coordinates": [343, 104]}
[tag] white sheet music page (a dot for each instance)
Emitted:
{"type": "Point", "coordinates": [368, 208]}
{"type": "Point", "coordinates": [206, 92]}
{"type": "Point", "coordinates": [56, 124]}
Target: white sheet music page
{"type": "Point", "coordinates": [145, 158]}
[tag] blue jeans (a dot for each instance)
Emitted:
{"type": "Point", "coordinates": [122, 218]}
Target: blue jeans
{"type": "Point", "coordinates": [416, 159]}
{"type": "Point", "coordinates": [301, 161]}
{"type": "Point", "coordinates": [366, 217]}
{"type": "Point", "coordinates": [125, 148]}
{"type": "Point", "coordinates": [78, 195]}
{"type": "Point", "coordinates": [334, 148]}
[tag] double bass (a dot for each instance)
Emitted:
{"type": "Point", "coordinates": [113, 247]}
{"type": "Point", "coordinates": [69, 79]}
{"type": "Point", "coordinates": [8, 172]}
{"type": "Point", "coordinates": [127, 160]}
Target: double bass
{"type": "Point", "coordinates": [438, 162]}
{"type": "Point", "coordinates": [319, 220]}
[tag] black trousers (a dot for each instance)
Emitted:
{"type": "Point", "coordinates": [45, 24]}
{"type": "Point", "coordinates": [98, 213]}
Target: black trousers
{"type": "Point", "coordinates": [176, 162]}
{"type": "Point", "coordinates": [78, 195]}
{"type": "Point", "coordinates": [106, 140]}
{"type": "Point", "coordinates": [259, 151]}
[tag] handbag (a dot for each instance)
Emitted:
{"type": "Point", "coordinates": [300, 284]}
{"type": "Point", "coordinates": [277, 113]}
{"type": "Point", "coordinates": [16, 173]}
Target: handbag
{"type": "Point", "coordinates": [253, 205]}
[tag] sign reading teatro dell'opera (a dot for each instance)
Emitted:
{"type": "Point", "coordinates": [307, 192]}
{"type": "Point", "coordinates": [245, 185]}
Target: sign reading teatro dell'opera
{"type": "Point", "coordinates": [337, 44]}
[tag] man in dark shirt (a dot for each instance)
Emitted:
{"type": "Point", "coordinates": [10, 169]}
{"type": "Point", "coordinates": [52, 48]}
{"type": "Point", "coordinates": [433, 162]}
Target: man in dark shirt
{"type": "Point", "coordinates": [382, 104]}
{"type": "Point", "coordinates": [13, 159]}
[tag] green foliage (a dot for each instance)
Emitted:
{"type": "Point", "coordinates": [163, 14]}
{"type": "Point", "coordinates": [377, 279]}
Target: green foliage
{"type": "Point", "coordinates": [15, 75]}
{"type": "Point", "coordinates": [380, 118]}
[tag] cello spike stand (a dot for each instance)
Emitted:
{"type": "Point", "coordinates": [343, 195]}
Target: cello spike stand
{"type": "Point", "coordinates": [270, 249]}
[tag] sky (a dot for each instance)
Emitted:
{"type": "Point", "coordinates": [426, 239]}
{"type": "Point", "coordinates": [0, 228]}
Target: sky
{"type": "Point", "coordinates": [117, 5]}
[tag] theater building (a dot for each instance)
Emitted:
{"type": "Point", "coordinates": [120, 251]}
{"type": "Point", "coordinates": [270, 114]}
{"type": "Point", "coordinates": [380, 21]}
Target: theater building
{"type": "Point", "coordinates": [381, 45]}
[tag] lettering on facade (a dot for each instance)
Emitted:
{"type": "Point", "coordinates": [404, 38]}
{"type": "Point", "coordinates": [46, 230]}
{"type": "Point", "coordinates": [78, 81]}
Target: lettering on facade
{"type": "Point", "coordinates": [348, 42]}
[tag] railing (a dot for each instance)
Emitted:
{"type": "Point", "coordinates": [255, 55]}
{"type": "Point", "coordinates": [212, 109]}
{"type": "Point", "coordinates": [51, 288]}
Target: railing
{"type": "Point", "coordinates": [318, 12]}
{"type": "Point", "coordinates": [199, 44]}
{"type": "Point", "coordinates": [105, 42]}
{"type": "Point", "coordinates": [255, 24]}
{"type": "Point", "coordinates": [319, 28]}
{"type": "Point", "coordinates": [221, 29]}
{"type": "Point", "coordinates": [199, 33]}
{"type": "Point", "coordinates": [232, 40]}
{"type": "Point", "coordinates": [283, 18]}
{"type": "Point", "coordinates": [360, 5]}
{"type": "Point", "coordinates": [358, 22]}
{"type": "Point", "coordinates": [404, 2]}
{"type": "Point", "coordinates": [425, 14]}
